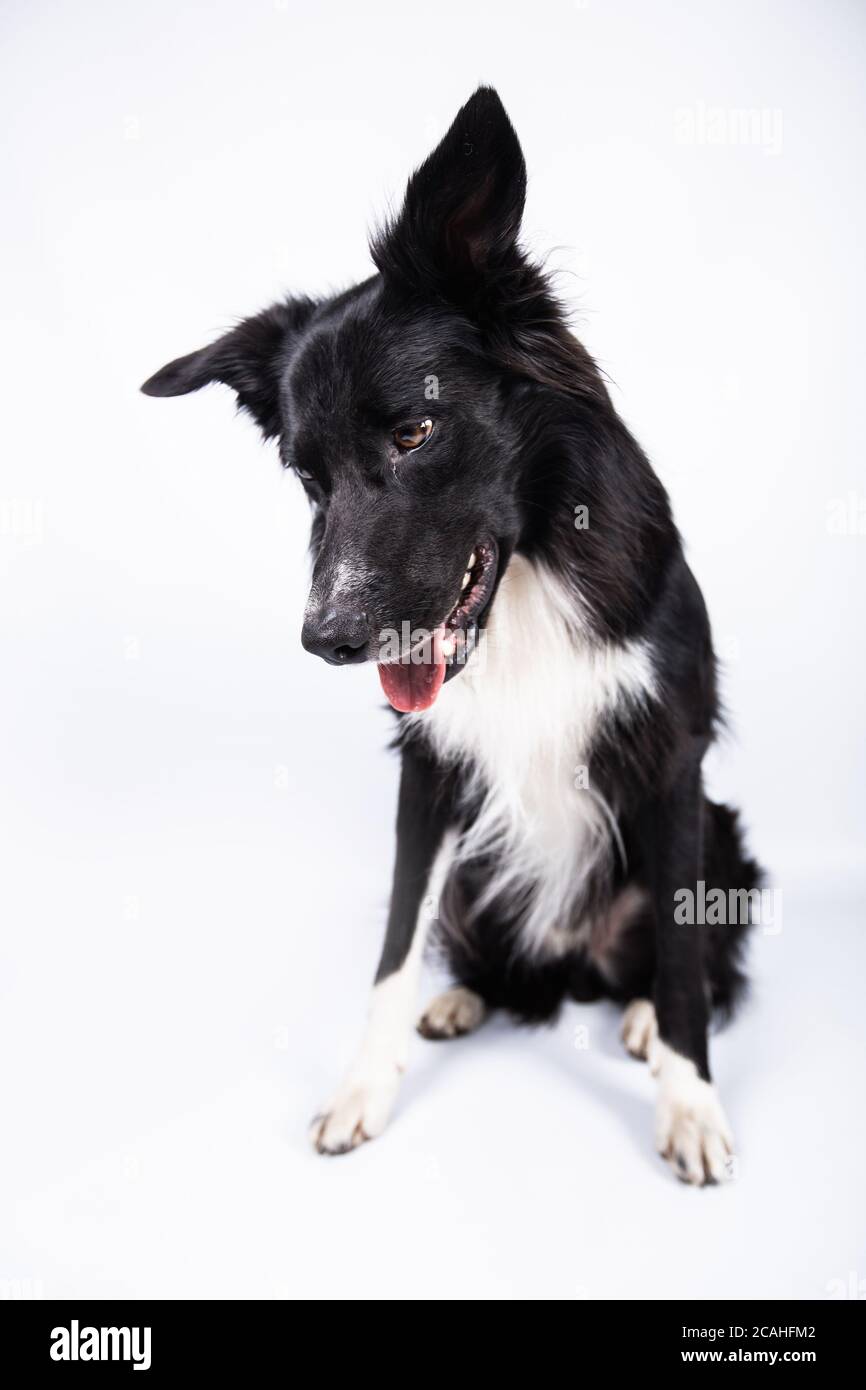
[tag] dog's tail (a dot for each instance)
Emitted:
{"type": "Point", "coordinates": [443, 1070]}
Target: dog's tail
{"type": "Point", "coordinates": [728, 866]}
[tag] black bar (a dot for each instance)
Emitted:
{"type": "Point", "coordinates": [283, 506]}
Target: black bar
{"type": "Point", "coordinates": [240, 1339]}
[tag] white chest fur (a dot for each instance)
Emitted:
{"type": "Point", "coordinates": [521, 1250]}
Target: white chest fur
{"type": "Point", "coordinates": [521, 720]}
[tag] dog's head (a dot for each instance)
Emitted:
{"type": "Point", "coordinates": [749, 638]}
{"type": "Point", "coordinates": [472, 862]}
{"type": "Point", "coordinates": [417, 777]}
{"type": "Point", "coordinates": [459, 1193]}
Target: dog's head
{"type": "Point", "coordinates": [394, 404]}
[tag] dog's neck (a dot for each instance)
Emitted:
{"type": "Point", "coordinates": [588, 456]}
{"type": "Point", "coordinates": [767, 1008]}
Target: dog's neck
{"type": "Point", "coordinates": [539, 677]}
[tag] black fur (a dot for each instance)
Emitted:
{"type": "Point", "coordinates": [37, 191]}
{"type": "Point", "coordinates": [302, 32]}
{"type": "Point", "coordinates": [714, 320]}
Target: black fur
{"type": "Point", "coordinates": [523, 426]}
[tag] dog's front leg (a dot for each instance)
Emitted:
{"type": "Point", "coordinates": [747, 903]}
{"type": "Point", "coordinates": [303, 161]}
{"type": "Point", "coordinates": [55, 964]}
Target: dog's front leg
{"type": "Point", "coordinates": [691, 1129]}
{"type": "Point", "coordinates": [363, 1103]}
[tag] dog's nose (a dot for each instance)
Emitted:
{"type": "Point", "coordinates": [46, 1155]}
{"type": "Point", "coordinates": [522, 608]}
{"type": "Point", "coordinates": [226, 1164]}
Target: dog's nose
{"type": "Point", "coordinates": [337, 636]}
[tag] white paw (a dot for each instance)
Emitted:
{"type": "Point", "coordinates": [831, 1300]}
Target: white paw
{"type": "Point", "coordinates": [639, 1029]}
{"type": "Point", "coordinates": [692, 1131]}
{"type": "Point", "coordinates": [359, 1111]}
{"type": "Point", "coordinates": [451, 1014]}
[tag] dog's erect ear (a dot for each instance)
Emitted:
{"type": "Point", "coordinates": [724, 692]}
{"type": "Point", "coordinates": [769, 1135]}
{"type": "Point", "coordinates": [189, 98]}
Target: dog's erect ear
{"type": "Point", "coordinates": [249, 359]}
{"type": "Point", "coordinates": [461, 217]}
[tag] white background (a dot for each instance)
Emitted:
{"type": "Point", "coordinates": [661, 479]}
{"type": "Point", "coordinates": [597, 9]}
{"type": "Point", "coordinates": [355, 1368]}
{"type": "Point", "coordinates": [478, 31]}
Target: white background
{"type": "Point", "coordinates": [197, 816]}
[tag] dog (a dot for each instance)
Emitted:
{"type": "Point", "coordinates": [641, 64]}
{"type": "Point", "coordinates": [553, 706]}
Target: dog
{"type": "Point", "coordinates": [487, 531]}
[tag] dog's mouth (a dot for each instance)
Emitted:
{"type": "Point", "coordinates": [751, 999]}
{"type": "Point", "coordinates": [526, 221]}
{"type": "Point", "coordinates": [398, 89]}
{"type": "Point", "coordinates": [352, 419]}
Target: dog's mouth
{"type": "Point", "coordinates": [412, 683]}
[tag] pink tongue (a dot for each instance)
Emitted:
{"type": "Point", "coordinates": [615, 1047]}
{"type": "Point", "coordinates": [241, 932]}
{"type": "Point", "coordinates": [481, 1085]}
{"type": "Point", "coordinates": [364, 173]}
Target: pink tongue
{"type": "Point", "coordinates": [413, 684]}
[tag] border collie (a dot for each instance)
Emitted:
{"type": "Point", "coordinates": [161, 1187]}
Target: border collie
{"type": "Point", "coordinates": [488, 532]}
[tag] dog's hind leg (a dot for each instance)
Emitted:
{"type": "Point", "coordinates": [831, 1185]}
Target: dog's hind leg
{"type": "Point", "coordinates": [692, 1132]}
{"type": "Point", "coordinates": [452, 1014]}
{"type": "Point", "coordinates": [362, 1105]}
{"type": "Point", "coordinates": [640, 1029]}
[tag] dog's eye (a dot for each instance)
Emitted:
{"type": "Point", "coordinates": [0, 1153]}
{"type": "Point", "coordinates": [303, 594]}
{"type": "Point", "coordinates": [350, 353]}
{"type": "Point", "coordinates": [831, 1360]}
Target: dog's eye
{"type": "Point", "coordinates": [412, 436]}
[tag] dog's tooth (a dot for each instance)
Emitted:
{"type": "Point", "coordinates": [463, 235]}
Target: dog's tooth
{"type": "Point", "coordinates": [466, 578]}
{"type": "Point", "coordinates": [472, 559]}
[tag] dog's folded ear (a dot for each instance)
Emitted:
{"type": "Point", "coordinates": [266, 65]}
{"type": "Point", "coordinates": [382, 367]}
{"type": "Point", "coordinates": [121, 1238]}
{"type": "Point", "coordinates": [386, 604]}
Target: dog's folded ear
{"type": "Point", "coordinates": [458, 227]}
{"type": "Point", "coordinates": [249, 359]}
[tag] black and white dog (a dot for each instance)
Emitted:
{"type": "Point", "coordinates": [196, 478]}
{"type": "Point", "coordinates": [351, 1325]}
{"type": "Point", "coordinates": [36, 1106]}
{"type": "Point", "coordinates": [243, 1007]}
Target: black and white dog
{"type": "Point", "coordinates": [486, 529]}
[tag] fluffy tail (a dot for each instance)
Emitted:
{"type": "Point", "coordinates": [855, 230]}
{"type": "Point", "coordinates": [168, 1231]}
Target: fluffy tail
{"type": "Point", "coordinates": [727, 866]}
